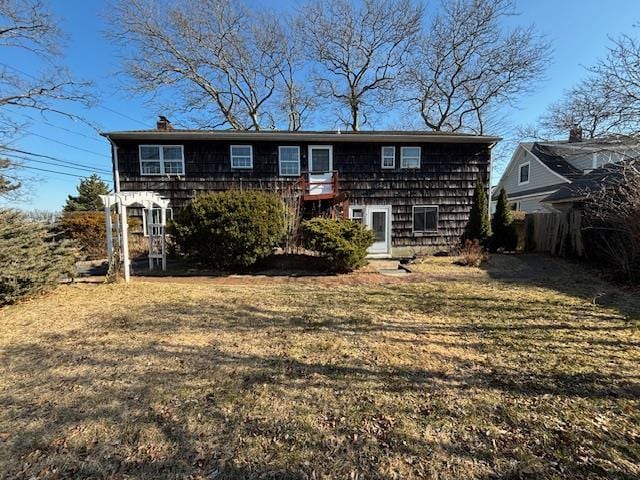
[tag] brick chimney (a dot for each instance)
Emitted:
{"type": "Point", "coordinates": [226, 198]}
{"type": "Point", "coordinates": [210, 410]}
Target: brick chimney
{"type": "Point", "coordinates": [163, 123]}
{"type": "Point", "coordinates": [575, 133]}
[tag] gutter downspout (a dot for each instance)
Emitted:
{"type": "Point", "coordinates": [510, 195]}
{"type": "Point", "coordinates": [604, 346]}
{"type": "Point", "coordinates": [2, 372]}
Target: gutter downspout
{"type": "Point", "coordinates": [490, 174]}
{"type": "Point", "coordinates": [114, 165]}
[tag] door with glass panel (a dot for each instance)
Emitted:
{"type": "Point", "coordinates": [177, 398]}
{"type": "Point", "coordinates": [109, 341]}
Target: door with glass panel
{"type": "Point", "coordinates": [320, 169]}
{"type": "Point", "coordinates": [378, 219]}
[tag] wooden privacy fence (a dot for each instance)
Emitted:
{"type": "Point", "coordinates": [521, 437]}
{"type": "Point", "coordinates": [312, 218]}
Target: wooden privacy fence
{"type": "Point", "coordinates": [555, 233]}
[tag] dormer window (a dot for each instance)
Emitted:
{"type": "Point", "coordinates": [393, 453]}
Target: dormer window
{"type": "Point", "coordinates": [523, 174]}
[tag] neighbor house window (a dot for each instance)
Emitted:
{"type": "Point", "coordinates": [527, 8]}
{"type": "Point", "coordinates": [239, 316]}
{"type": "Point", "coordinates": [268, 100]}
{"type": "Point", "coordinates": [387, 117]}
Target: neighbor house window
{"type": "Point", "coordinates": [241, 156]}
{"type": "Point", "coordinates": [425, 218]}
{"type": "Point", "coordinates": [523, 176]}
{"type": "Point", "coordinates": [410, 157]}
{"type": "Point", "coordinates": [388, 157]}
{"type": "Point", "coordinates": [157, 218]}
{"type": "Point", "coordinates": [289, 158]}
{"type": "Point", "coordinates": [161, 159]}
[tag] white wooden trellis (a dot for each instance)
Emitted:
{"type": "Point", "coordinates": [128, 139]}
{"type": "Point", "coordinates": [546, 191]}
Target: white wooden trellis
{"type": "Point", "coordinates": [155, 226]}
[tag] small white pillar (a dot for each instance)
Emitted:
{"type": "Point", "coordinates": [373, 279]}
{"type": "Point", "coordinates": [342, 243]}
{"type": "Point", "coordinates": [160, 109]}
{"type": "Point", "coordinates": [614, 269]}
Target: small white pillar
{"type": "Point", "coordinates": [109, 228]}
{"type": "Point", "coordinates": [149, 219]}
{"type": "Point", "coordinates": [125, 242]}
{"type": "Point", "coordinates": [163, 223]}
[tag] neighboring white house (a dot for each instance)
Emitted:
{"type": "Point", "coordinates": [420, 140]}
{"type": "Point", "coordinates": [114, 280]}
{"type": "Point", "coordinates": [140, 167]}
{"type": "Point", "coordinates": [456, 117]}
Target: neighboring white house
{"type": "Point", "coordinates": [538, 169]}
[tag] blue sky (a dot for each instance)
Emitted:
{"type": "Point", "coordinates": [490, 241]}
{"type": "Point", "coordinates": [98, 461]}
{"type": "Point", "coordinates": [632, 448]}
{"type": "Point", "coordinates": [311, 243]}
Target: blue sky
{"type": "Point", "coordinates": [577, 29]}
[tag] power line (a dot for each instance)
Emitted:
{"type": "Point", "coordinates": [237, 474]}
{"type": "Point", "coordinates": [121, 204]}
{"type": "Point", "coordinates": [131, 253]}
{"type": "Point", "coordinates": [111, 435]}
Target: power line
{"type": "Point", "coordinates": [74, 132]}
{"type": "Point", "coordinates": [40, 155]}
{"type": "Point", "coordinates": [53, 171]}
{"type": "Point", "coordinates": [59, 142]}
{"type": "Point", "coordinates": [76, 166]}
{"type": "Point", "coordinates": [68, 145]}
{"type": "Point", "coordinates": [99, 106]}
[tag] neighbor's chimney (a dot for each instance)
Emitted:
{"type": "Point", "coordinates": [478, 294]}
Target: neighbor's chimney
{"type": "Point", "coordinates": [163, 123]}
{"type": "Point", "coordinates": [575, 133]}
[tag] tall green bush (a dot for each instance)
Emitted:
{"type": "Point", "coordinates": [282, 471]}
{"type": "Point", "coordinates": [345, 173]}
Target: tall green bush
{"type": "Point", "coordinates": [232, 229]}
{"type": "Point", "coordinates": [88, 198]}
{"type": "Point", "coordinates": [341, 242]}
{"type": "Point", "coordinates": [31, 260]}
{"type": "Point", "coordinates": [504, 231]}
{"type": "Point", "coordinates": [478, 226]}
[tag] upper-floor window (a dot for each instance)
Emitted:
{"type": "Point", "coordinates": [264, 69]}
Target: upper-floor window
{"type": "Point", "coordinates": [410, 157]}
{"type": "Point", "coordinates": [241, 156]}
{"type": "Point", "coordinates": [388, 157]}
{"type": "Point", "coordinates": [161, 159]}
{"type": "Point", "coordinates": [523, 173]}
{"type": "Point", "coordinates": [425, 218]}
{"type": "Point", "coordinates": [289, 160]}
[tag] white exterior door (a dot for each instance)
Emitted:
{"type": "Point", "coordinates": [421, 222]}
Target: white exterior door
{"type": "Point", "coordinates": [378, 219]}
{"type": "Point", "coordinates": [320, 169]}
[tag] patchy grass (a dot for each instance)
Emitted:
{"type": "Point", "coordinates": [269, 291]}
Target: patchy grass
{"type": "Point", "coordinates": [464, 374]}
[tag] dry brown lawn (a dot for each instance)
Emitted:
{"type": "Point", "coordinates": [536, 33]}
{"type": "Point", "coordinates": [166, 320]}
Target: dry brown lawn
{"type": "Point", "coordinates": [528, 370]}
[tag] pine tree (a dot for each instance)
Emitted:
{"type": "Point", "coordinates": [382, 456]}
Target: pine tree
{"type": "Point", "coordinates": [88, 195]}
{"type": "Point", "coordinates": [32, 261]}
{"type": "Point", "coordinates": [504, 232]}
{"type": "Point", "coordinates": [478, 226]}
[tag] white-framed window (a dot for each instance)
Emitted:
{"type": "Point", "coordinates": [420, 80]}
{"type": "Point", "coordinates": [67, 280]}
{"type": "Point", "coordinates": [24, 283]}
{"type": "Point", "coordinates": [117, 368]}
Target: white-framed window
{"type": "Point", "coordinates": [241, 156]}
{"type": "Point", "coordinates": [388, 157]}
{"type": "Point", "coordinates": [289, 161]}
{"type": "Point", "coordinates": [156, 213]}
{"type": "Point", "coordinates": [424, 218]}
{"type": "Point", "coordinates": [356, 214]}
{"type": "Point", "coordinates": [523, 173]}
{"type": "Point", "coordinates": [514, 206]}
{"type": "Point", "coordinates": [410, 157]}
{"type": "Point", "coordinates": [320, 158]}
{"type": "Point", "coordinates": [161, 159]}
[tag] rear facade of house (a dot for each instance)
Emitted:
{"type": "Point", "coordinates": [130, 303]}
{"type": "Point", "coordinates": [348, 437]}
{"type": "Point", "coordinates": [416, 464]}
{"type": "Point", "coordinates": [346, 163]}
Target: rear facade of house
{"type": "Point", "coordinates": [413, 189]}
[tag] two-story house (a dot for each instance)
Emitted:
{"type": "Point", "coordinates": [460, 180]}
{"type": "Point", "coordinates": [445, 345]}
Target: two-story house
{"type": "Point", "coordinates": [539, 169]}
{"type": "Point", "coordinates": [413, 189]}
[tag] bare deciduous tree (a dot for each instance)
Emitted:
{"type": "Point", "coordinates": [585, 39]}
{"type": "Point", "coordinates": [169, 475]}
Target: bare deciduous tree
{"type": "Point", "coordinates": [606, 102]}
{"type": "Point", "coordinates": [467, 64]}
{"type": "Point", "coordinates": [359, 48]}
{"type": "Point", "coordinates": [27, 26]}
{"type": "Point", "coordinates": [220, 58]}
{"type": "Point", "coordinates": [590, 105]}
{"type": "Point", "coordinates": [612, 216]}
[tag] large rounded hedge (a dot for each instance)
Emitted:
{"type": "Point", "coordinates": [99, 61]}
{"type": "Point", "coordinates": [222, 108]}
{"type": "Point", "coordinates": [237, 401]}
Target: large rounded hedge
{"type": "Point", "coordinates": [231, 229]}
{"type": "Point", "coordinates": [342, 243]}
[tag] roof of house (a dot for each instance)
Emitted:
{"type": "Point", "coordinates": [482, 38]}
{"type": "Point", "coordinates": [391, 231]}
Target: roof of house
{"type": "Point", "coordinates": [554, 157]}
{"type": "Point", "coordinates": [321, 136]}
{"type": "Point", "coordinates": [607, 175]}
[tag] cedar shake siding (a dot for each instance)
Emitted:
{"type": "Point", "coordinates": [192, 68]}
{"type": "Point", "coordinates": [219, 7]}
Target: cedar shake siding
{"type": "Point", "coordinates": [446, 178]}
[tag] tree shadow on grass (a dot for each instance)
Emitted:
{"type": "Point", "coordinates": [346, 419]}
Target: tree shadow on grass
{"type": "Point", "coordinates": [126, 397]}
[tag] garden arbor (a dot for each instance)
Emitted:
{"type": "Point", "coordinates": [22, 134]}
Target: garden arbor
{"type": "Point", "coordinates": [155, 208]}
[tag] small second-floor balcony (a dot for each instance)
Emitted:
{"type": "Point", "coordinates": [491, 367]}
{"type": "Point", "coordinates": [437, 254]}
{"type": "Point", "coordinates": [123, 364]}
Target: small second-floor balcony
{"type": "Point", "coordinates": [319, 185]}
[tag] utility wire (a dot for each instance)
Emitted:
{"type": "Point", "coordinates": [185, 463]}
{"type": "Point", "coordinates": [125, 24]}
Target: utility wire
{"type": "Point", "coordinates": [76, 166]}
{"type": "Point", "coordinates": [32, 154]}
{"type": "Point", "coordinates": [99, 106]}
{"type": "Point", "coordinates": [53, 171]}
{"type": "Point", "coordinates": [74, 132]}
{"type": "Point", "coordinates": [68, 145]}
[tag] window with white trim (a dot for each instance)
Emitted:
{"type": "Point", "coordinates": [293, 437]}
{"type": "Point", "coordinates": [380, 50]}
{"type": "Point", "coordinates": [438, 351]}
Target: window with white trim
{"type": "Point", "coordinates": [161, 159]}
{"type": "Point", "coordinates": [156, 213]}
{"type": "Point", "coordinates": [523, 173]}
{"type": "Point", "coordinates": [241, 156]}
{"type": "Point", "coordinates": [410, 157]}
{"type": "Point", "coordinates": [425, 218]}
{"type": "Point", "coordinates": [356, 214]}
{"type": "Point", "coordinates": [289, 160]}
{"type": "Point", "coordinates": [388, 157]}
